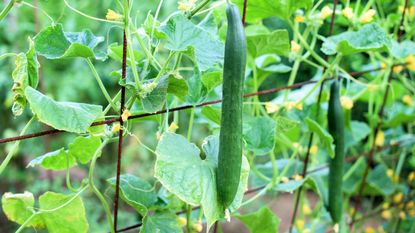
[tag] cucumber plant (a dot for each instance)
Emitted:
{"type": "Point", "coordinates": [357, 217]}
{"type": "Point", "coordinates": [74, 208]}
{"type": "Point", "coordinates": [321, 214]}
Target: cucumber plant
{"type": "Point", "coordinates": [217, 116]}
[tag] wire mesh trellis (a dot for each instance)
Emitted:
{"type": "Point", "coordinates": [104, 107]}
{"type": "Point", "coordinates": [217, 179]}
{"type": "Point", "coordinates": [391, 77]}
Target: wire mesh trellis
{"type": "Point", "coordinates": [305, 172]}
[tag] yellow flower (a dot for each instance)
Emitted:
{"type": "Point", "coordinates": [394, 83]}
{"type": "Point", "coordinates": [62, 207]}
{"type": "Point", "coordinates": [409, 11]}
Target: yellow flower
{"type": "Point", "coordinates": [411, 177]}
{"type": "Point", "coordinates": [346, 102]}
{"type": "Point", "coordinates": [116, 127]}
{"type": "Point", "coordinates": [381, 230]}
{"type": "Point", "coordinates": [325, 12]}
{"type": "Point", "coordinates": [412, 213]}
{"type": "Point", "coordinates": [173, 127]}
{"type": "Point", "coordinates": [411, 12]}
{"type": "Point", "coordinates": [300, 224]}
{"type": "Point", "coordinates": [295, 47]}
{"type": "Point", "coordinates": [380, 138]}
{"type": "Point", "coordinates": [125, 115]}
{"type": "Point", "coordinates": [389, 172]}
{"type": "Point", "coordinates": [397, 69]}
{"type": "Point", "coordinates": [297, 177]}
{"type": "Point", "coordinates": [397, 198]}
{"type": "Point", "coordinates": [285, 180]}
{"type": "Point", "coordinates": [185, 6]}
{"type": "Point", "coordinates": [407, 100]}
{"type": "Point", "coordinates": [306, 209]}
{"type": "Point", "coordinates": [113, 16]}
{"type": "Point", "coordinates": [370, 230]}
{"type": "Point", "coordinates": [271, 107]}
{"type": "Point", "coordinates": [352, 211]}
{"type": "Point", "coordinates": [348, 13]}
{"type": "Point", "coordinates": [182, 221]}
{"type": "Point", "coordinates": [367, 17]}
{"type": "Point", "coordinates": [410, 62]}
{"type": "Point", "coordinates": [385, 205]}
{"type": "Point", "coordinates": [313, 149]}
{"type": "Point", "coordinates": [402, 215]}
{"type": "Point", "coordinates": [299, 19]}
{"type": "Point", "coordinates": [386, 214]}
{"type": "Point", "coordinates": [383, 65]}
{"type": "Point", "coordinates": [198, 227]}
{"type": "Point", "coordinates": [410, 205]}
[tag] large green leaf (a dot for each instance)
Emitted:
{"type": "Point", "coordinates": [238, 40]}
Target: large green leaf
{"type": "Point", "coordinates": [353, 177]}
{"type": "Point", "coordinates": [356, 133]}
{"type": "Point", "coordinates": [137, 192]}
{"type": "Point", "coordinates": [19, 207]}
{"type": "Point", "coordinates": [276, 42]}
{"type": "Point", "coordinates": [154, 100]}
{"type": "Point", "coordinates": [25, 74]}
{"type": "Point", "coordinates": [181, 170]}
{"type": "Point", "coordinates": [403, 49]}
{"type": "Point", "coordinates": [261, 221]}
{"type": "Point", "coordinates": [53, 43]}
{"type": "Point", "coordinates": [370, 37]}
{"type": "Point", "coordinates": [161, 223]}
{"type": "Point", "coordinates": [181, 34]}
{"type": "Point", "coordinates": [55, 160]}
{"type": "Point", "coordinates": [259, 134]}
{"type": "Point", "coordinates": [63, 213]}
{"type": "Point", "coordinates": [67, 116]}
{"type": "Point", "coordinates": [380, 181]}
{"type": "Point", "coordinates": [84, 148]}
{"type": "Point", "coordinates": [260, 9]}
{"type": "Point", "coordinates": [325, 138]}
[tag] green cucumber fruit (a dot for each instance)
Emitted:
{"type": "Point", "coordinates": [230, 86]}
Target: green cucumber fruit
{"type": "Point", "coordinates": [230, 139]}
{"type": "Point", "coordinates": [336, 129]}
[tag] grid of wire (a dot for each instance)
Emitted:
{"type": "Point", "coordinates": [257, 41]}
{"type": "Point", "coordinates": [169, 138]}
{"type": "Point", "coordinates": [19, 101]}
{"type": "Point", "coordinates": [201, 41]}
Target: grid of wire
{"type": "Point", "coordinates": [273, 90]}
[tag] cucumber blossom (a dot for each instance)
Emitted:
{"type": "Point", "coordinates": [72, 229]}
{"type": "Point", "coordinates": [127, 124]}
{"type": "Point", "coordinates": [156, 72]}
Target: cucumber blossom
{"type": "Point", "coordinates": [230, 139]}
{"type": "Point", "coordinates": [336, 129]}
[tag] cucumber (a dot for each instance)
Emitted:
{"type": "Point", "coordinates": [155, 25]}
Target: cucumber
{"type": "Point", "coordinates": [336, 129]}
{"type": "Point", "coordinates": [230, 138]}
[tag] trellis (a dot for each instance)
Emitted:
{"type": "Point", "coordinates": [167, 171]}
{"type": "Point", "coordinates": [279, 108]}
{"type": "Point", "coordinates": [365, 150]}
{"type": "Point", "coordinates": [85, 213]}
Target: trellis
{"type": "Point", "coordinates": [305, 172]}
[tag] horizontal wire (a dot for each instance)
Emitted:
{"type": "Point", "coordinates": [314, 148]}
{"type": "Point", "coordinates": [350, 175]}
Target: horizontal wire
{"type": "Point", "coordinates": [116, 119]}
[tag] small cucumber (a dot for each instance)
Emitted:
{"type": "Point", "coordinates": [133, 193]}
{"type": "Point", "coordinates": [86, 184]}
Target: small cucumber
{"type": "Point", "coordinates": [230, 139]}
{"type": "Point", "coordinates": [336, 129]}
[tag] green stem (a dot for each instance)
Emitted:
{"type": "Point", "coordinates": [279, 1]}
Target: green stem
{"type": "Point", "coordinates": [114, 100]}
{"type": "Point", "coordinates": [6, 10]}
{"type": "Point", "coordinates": [41, 211]}
{"type": "Point", "coordinates": [309, 49]}
{"type": "Point", "coordinates": [7, 55]}
{"type": "Point", "coordinates": [163, 69]}
{"type": "Point", "coordinates": [101, 85]}
{"type": "Point", "coordinates": [325, 75]}
{"type": "Point", "coordinates": [68, 177]}
{"type": "Point", "coordinates": [198, 8]}
{"type": "Point", "coordinates": [189, 218]}
{"type": "Point", "coordinates": [132, 58]}
{"type": "Point", "coordinates": [95, 190]}
{"type": "Point", "coordinates": [190, 129]}
{"type": "Point", "coordinates": [144, 48]}
{"type": "Point", "coordinates": [15, 146]}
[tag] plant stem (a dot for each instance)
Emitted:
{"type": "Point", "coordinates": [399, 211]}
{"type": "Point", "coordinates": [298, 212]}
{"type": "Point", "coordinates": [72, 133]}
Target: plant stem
{"type": "Point", "coordinates": [189, 130]}
{"type": "Point", "coordinates": [163, 69]}
{"type": "Point", "coordinates": [95, 190]}
{"type": "Point", "coordinates": [101, 85]}
{"type": "Point", "coordinates": [6, 10]}
{"type": "Point", "coordinates": [198, 8]}
{"type": "Point", "coordinates": [15, 146]}
{"type": "Point", "coordinates": [189, 218]}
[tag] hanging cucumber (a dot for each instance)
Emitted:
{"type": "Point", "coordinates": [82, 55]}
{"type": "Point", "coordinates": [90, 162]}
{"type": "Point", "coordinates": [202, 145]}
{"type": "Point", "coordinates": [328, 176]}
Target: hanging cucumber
{"type": "Point", "coordinates": [231, 145]}
{"type": "Point", "coordinates": [336, 129]}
